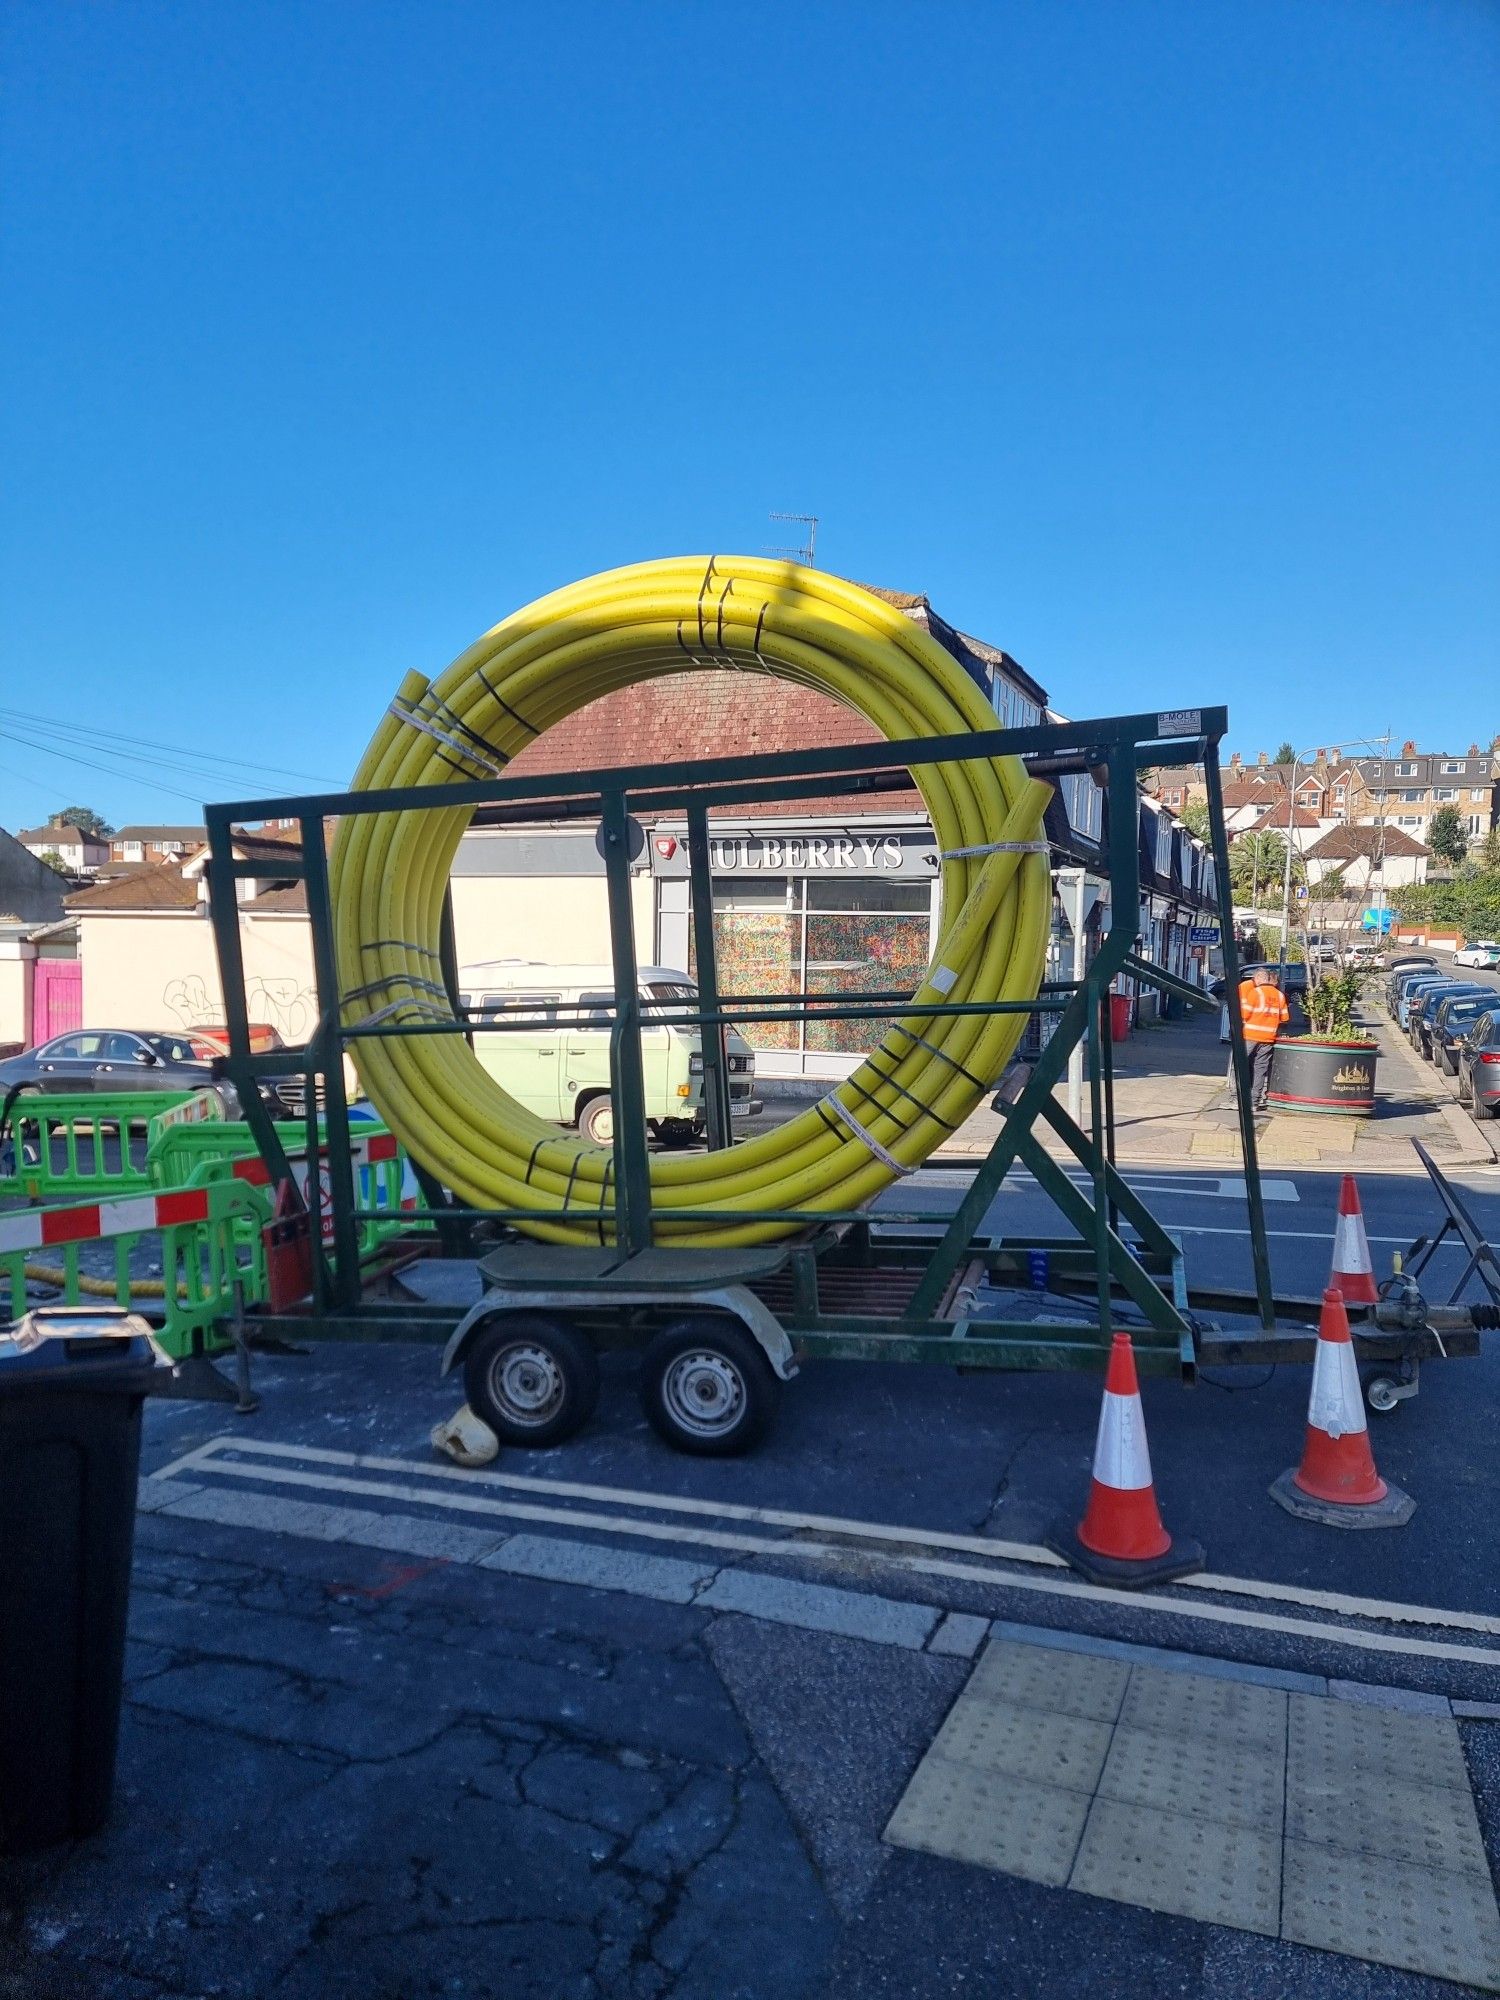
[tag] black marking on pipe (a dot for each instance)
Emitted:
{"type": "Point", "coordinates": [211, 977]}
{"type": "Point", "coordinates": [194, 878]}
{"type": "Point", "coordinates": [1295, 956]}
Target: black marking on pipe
{"type": "Point", "coordinates": [943, 1055]}
{"type": "Point", "coordinates": [496, 696]}
{"type": "Point", "coordinates": [901, 1090]}
{"type": "Point", "coordinates": [531, 1163]}
{"type": "Point", "coordinates": [884, 1110]}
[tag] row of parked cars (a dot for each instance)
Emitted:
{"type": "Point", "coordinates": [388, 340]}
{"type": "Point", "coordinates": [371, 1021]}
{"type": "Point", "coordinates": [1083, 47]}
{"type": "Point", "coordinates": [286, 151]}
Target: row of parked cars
{"type": "Point", "coordinates": [1454, 1022]}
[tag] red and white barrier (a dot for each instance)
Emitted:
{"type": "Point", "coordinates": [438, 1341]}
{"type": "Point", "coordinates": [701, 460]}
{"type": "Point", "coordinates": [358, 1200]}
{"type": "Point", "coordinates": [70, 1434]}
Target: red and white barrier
{"type": "Point", "coordinates": [45, 1228]}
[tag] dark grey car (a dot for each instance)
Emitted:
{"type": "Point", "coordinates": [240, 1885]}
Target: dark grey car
{"type": "Point", "coordinates": [1456, 1013]}
{"type": "Point", "coordinates": [115, 1060]}
{"type": "Point", "coordinates": [1479, 1065]}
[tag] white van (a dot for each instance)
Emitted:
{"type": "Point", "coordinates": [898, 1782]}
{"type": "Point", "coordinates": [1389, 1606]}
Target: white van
{"type": "Point", "coordinates": [555, 1060]}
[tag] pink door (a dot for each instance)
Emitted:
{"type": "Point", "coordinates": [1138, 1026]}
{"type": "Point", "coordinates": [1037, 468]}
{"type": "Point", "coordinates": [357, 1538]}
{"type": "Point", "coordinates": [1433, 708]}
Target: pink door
{"type": "Point", "coordinates": [57, 997]}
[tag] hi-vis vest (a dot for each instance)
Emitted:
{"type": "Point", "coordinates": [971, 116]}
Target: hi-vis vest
{"type": "Point", "coordinates": [1263, 1010]}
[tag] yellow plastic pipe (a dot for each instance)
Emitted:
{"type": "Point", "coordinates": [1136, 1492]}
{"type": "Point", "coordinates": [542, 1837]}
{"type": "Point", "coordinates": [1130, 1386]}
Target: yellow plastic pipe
{"type": "Point", "coordinates": [390, 870]}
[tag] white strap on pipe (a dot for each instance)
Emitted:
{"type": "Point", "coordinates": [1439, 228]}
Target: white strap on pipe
{"type": "Point", "coordinates": [453, 743]}
{"type": "Point", "coordinates": [867, 1138]}
{"type": "Point", "coordinates": [997, 847]}
{"type": "Point", "coordinates": [414, 1000]}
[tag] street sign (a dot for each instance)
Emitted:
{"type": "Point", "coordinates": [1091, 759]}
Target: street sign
{"type": "Point", "coordinates": [1377, 920]}
{"type": "Point", "coordinates": [1204, 934]}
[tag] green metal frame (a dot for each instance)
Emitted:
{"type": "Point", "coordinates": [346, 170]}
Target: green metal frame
{"type": "Point", "coordinates": [1148, 1271]}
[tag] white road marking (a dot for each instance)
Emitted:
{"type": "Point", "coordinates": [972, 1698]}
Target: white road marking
{"type": "Point", "coordinates": [925, 1566]}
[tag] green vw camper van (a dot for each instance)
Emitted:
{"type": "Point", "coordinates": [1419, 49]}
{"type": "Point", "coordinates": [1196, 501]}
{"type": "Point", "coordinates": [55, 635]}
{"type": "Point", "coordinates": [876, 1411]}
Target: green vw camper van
{"type": "Point", "coordinates": [554, 1059]}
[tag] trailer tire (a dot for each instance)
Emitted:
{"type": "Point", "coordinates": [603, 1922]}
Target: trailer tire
{"type": "Point", "coordinates": [707, 1387]}
{"type": "Point", "coordinates": [533, 1379]}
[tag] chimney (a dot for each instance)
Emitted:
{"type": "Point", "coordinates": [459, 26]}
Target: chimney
{"type": "Point", "coordinates": [1236, 760]}
{"type": "Point", "coordinates": [1262, 759]}
{"type": "Point", "coordinates": [1408, 749]}
{"type": "Point", "coordinates": [1473, 749]}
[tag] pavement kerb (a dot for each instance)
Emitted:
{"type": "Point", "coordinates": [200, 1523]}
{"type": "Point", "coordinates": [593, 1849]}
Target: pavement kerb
{"type": "Point", "coordinates": [1473, 1140]}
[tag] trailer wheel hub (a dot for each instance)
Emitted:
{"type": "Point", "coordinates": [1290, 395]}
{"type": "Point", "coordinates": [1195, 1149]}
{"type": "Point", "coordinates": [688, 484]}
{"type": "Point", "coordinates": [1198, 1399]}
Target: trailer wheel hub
{"type": "Point", "coordinates": [704, 1393]}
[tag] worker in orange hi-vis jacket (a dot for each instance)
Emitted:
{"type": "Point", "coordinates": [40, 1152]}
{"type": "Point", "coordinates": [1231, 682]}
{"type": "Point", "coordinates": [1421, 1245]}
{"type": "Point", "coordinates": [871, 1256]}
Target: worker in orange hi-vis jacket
{"type": "Point", "coordinates": [1263, 1014]}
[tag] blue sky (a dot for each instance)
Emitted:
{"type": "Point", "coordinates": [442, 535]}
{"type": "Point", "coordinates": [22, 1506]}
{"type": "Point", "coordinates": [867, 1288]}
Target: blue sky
{"type": "Point", "coordinates": [1155, 342]}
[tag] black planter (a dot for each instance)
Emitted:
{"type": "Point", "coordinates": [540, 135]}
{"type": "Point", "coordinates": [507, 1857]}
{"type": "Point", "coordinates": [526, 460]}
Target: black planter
{"type": "Point", "coordinates": [1315, 1073]}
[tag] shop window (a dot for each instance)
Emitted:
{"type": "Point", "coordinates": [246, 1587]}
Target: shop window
{"type": "Point", "coordinates": [819, 935]}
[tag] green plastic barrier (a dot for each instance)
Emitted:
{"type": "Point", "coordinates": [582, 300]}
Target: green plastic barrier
{"type": "Point", "coordinates": [183, 1155]}
{"type": "Point", "coordinates": [204, 1255]}
{"type": "Point", "coordinates": [76, 1147]}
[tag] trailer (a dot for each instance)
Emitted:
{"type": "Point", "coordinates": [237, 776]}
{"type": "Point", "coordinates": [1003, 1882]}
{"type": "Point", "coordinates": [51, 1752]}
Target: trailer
{"type": "Point", "coordinates": [719, 1329]}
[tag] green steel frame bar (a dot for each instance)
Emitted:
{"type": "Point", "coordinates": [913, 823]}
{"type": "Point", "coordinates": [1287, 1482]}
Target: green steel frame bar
{"type": "Point", "coordinates": [1150, 1274]}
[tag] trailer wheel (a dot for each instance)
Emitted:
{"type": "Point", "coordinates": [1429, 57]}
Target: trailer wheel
{"type": "Point", "coordinates": [533, 1380]}
{"type": "Point", "coordinates": [707, 1388]}
{"type": "Point", "coordinates": [1380, 1394]}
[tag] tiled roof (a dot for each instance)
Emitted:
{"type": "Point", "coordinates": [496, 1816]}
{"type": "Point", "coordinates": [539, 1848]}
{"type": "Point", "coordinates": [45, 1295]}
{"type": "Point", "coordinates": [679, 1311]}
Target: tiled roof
{"type": "Point", "coordinates": [72, 836]}
{"type": "Point", "coordinates": [1350, 843]}
{"type": "Point", "coordinates": [186, 836]}
{"type": "Point", "coordinates": [1277, 816]}
{"type": "Point", "coordinates": [680, 717]}
{"type": "Point", "coordinates": [291, 896]}
{"type": "Point", "coordinates": [162, 887]}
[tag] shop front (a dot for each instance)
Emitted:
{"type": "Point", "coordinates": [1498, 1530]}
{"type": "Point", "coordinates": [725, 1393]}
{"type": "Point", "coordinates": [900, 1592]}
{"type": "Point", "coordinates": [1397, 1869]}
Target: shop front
{"type": "Point", "coordinates": [816, 906]}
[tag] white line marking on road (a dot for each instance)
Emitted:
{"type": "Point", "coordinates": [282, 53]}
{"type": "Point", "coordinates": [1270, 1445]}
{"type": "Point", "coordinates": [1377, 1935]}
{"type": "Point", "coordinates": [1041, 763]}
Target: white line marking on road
{"type": "Point", "coordinates": [1354, 1607]}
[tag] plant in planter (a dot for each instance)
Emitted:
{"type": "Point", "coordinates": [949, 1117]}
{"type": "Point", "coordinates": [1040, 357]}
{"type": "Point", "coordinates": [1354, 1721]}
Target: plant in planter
{"type": "Point", "coordinates": [1330, 1006]}
{"type": "Point", "coordinates": [1333, 1068]}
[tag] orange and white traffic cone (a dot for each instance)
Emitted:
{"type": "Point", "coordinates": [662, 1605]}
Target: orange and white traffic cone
{"type": "Point", "coordinates": [1352, 1277]}
{"type": "Point", "coordinates": [1336, 1483]}
{"type": "Point", "coordinates": [1121, 1538]}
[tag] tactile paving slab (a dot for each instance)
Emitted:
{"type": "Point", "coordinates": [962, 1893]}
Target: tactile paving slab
{"type": "Point", "coordinates": [1330, 1823]}
{"type": "Point", "coordinates": [1392, 1914]}
{"type": "Point", "coordinates": [1365, 1812]}
{"type": "Point", "coordinates": [1326, 1740]}
{"type": "Point", "coordinates": [1217, 1873]}
{"type": "Point", "coordinates": [1059, 1683]}
{"type": "Point", "coordinates": [1195, 1705]}
{"type": "Point", "coordinates": [1207, 1777]}
{"type": "Point", "coordinates": [1063, 1750]}
{"type": "Point", "coordinates": [992, 1819]}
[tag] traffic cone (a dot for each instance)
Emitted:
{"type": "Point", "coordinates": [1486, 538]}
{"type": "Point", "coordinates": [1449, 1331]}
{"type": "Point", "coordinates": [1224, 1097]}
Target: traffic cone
{"type": "Point", "coordinates": [1352, 1277]}
{"type": "Point", "coordinates": [1336, 1483]}
{"type": "Point", "coordinates": [1121, 1538]}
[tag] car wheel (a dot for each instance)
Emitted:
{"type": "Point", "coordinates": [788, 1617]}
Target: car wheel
{"type": "Point", "coordinates": [707, 1387]}
{"type": "Point", "coordinates": [1479, 1110]}
{"type": "Point", "coordinates": [596, 1121]}
{"type": "Point", "coordinates": [533, 1379]}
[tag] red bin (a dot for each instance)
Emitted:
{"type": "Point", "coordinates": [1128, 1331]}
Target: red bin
{"type": "Point", "coordinates": [1119, 1016]}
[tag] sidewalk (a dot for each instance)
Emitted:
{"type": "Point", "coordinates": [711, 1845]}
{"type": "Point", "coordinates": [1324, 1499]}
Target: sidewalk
{"type": "Point", "coordinates": [1173, 1103]}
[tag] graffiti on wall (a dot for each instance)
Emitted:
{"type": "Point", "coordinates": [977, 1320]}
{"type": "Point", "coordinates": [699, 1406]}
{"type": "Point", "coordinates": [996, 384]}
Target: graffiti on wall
{"type": "Point", "coordinates": [284, 1004]}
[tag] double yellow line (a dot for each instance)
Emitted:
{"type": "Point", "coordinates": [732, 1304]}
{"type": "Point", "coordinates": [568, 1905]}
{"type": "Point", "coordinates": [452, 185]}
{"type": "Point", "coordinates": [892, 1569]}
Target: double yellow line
{"type": "Point", "coordinates": [390, 871]}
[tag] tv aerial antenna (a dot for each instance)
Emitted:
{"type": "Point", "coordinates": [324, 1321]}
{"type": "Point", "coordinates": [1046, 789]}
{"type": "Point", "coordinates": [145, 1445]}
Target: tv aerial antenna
{"type": "Point", "coordinates": [806, 552]}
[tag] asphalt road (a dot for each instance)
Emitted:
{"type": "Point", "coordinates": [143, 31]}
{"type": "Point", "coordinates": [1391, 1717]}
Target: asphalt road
{"type": "Point", "coordinates": [398, 1775]}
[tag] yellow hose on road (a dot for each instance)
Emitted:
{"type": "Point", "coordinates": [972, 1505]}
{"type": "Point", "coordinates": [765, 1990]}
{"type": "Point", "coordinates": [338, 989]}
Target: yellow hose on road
{"type": "Point", "coordinates": [390, 870]}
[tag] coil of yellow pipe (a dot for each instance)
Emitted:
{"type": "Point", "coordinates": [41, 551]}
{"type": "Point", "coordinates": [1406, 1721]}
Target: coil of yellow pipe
{"type": "Point", "coordinates": [390, 870]}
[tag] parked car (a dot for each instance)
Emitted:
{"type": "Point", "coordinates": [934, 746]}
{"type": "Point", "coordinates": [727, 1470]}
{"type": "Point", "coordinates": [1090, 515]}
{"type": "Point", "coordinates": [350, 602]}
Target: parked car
{"type": "Point", "coordinates": [1404, 969]}
{"type": "Point", "coordinates": [1483, 955]}
{"type": "Point", "coordinates": [1479, 1065]}
{"type": "Point", "coordinates": [1424, 1008]}
{"type": "Point", "coordinates": [1451, 1021]}
{"type": "Point", "coordinates": [122, 1060]}
{"type": "Point", "coordinates": [1409, 989]}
